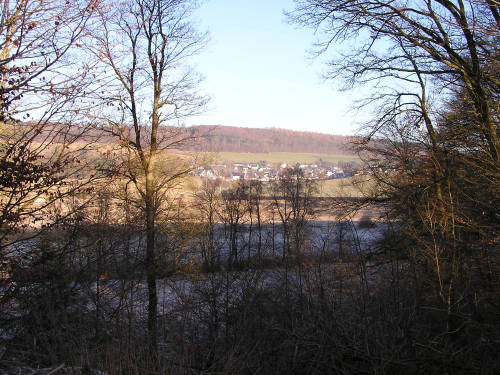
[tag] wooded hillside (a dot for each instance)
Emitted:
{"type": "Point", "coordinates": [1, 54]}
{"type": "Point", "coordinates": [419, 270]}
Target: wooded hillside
{"type": "Point", "coordinates": [236, 139]}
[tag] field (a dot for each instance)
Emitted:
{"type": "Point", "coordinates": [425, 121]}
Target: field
{"type": "Point", "coordinates": [282, 157]}
{"type": "Point", "coordinates": [350, 187]}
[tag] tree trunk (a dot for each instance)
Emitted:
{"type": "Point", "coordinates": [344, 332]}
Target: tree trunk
{"type": "Point", "coordinates": [151, 275]}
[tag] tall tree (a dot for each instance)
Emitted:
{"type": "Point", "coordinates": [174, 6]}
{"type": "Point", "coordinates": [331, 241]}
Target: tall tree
{"type": "Point", "coordinates": [418, 57]}
{"type": "Point", "coordinates": [46, 166]}
{"type": "Point", "coordinates": [42, 81]}
{"type": "Point", "coordinates": [143, 47]}
{"type": "Point", "coordinates": [410, 48]}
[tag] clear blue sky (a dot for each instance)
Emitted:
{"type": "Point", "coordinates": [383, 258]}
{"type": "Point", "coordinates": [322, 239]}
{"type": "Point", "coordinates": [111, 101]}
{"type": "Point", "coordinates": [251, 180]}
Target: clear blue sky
{"type": "Point", "coordinates": [259, 74]}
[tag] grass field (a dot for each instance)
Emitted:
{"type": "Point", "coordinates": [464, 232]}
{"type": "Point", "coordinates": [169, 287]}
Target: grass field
{"type": "Point", "coordinates": [281, 157]}
{"type": "Point", "coordinates": [351, 187]}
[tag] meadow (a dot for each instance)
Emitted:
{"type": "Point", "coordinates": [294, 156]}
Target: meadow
{"type": "Point", "coordinates": [283, 157]}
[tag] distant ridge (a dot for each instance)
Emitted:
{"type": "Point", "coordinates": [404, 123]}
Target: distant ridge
{"type": "Point", "coordinates": [218, 138]}
{"type": "Point", "coordinates": [238, 139]}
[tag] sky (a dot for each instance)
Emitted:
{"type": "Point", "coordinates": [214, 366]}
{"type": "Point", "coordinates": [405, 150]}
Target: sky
{"type": "Point", "coordinates": [259, 73]}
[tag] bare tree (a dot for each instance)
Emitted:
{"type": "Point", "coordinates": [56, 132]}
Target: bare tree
{"type": "Point", "coordinates": [293, 199]}
{"type": "Point", "coordinates": [255, 196]}
{"type": "Point", "coordinates": [41, 86]}
{"type": "Point", "coordinates": [439, 44]}
{"type": "Point", "coordinates": [44, 180]}
{"type": "Point", "coordinates": [143, 47]}
{"type": "Point", "coordinates": [232, 214]}
{"type": "Point", "coordinates": [207, 203]}
{"type": "Point", "coordinates": [420, 57]}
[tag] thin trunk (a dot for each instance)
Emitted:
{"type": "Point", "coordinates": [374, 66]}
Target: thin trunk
{"type": "Point", "coordinates": [234, 243]}
{"type": "Point", "coordinates": [250, 237]}
{"type": "Point", "coordinates": [259, 227]}
{"type": "Point", "coordinates": [151, 274]}
{"type": "Point", "coordinates": [274, 242]}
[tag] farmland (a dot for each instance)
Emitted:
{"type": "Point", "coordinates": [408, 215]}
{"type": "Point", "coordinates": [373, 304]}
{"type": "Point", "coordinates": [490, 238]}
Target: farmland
{"type": "Point", "coordinates": [282, 157]}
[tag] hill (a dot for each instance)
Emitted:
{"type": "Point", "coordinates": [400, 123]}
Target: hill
{"type": "Point", "coordinates": [255, 140]}
{"type": "Point", "coordinates": [221, 139]}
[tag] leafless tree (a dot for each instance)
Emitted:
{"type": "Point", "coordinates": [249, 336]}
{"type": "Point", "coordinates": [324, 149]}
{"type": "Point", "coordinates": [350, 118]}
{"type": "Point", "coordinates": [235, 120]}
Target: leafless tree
{"type": "Point", "coordinates": [418, 58]}
{"type": "Point", "coordinates": [48, 162]}
{"type": "Point", "coordinates": [255, 208]}
{"type": "Point", "coordinates": [440, 44]}
{"type": "Point", "coordinates": [293, 199]}
{"type": "Point", "coordinates": [41, 86]}
{"type": "Point", "coordinates": [207, 202]}
{"type": "Point", "coordinates": [143, 47]}
{"type": "Point", "coordinates": [232, 214]}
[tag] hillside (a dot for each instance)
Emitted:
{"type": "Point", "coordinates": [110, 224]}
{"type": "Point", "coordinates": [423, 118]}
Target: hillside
{"type": "Point", "coordinates": [218, 138]}
{"type": "Point", "coordinates": [236, 139]}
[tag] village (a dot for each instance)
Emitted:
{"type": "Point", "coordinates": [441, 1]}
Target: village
{"type": "Point", "coordinates": [263, 171]}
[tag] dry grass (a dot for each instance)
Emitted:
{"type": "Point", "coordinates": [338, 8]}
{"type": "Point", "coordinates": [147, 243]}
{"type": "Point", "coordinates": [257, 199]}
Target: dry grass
{"type": "Point", "coordinates": [350, 187]}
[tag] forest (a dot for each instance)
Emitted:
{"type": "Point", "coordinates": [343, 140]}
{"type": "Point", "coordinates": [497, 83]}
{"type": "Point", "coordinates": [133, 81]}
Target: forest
{"type": "Point", "coordinates": [235, 139]}
{"type": "Point", "coordinates": [108, 265]}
